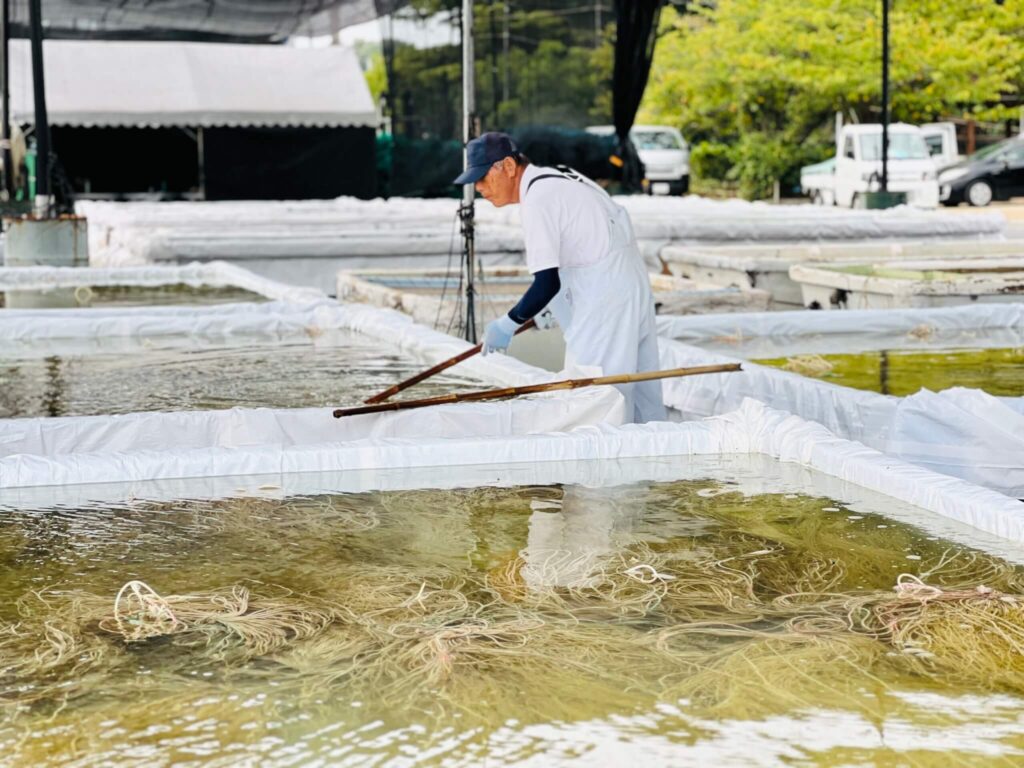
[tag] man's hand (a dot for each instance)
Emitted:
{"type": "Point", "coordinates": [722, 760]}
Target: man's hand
{"type": "Point", "coordinates": [498, 334]}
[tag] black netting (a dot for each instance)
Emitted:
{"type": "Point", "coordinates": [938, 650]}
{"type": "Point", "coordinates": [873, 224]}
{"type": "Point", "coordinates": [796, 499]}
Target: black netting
{"type": "Point", "coordinates": [228, 20]}
{"type": "Point", "coordinates": [586, 152]}
{"type": "Point", "coordinates": [636, 33]}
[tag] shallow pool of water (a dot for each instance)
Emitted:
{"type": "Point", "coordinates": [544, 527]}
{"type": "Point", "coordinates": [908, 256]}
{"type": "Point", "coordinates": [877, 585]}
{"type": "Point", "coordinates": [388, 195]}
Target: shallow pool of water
{"type": "Point", "coordinates": [129, 296]}
{"type": "Point", "coordinates": [340, 369]}
{"type": "Point", "coordinates": [905, 371]}
{"type": "Point", "coordinates": [659, 623]}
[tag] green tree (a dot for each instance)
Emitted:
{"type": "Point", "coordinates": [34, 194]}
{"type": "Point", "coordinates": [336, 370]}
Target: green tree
{"type": "Point", "coordinates": [765, 77]}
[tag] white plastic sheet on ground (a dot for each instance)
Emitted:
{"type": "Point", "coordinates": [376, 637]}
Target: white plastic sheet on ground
{"type": "Point", "coordinates": [358, 234]}
{"type": "Point", "coordinates": [960, 432]}
{"type": "Point", "coordinates": [781, 334]}
{"type": "Point", "coordinates": [695, 218]}
{"type": "Point", "coordinates": [211, 438]}
{"type": "Point", "coordinates": [426, 461]}
{"type": "Point", "coordinates": [215, 274]}
{"type": "Point", "coordinates": [772, 266]}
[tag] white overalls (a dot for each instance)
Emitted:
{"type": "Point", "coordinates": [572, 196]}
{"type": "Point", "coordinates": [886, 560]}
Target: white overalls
{"type": "Point", "coordinates": [606, 309]}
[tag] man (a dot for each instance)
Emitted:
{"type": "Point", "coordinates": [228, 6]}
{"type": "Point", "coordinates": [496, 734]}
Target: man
{"type": "Point", "coordinates": [580, 247]}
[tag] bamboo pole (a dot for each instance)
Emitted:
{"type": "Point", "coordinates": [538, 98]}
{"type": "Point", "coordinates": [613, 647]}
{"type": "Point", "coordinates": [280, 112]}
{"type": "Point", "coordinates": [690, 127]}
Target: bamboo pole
{"type": "Point", "coordinates": [382, 396]}
{"type": "Point", "coordinates": [530, 389]}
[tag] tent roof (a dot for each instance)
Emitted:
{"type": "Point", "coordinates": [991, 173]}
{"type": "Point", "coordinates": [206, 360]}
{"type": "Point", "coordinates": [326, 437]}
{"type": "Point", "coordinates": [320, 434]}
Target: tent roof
{"type": "Point", "coordinates": [156, 84]}
{"type": "Point", "coordinates": [248, 20]}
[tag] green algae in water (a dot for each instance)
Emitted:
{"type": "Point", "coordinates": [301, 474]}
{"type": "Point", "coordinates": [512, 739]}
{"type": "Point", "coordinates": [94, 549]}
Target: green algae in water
{"type": "Point", "coordinates": [675, 622]}
{"type": "Point", "coordinates": [904, 372]}
{"type": "Point", "coordinates": [343, 369]}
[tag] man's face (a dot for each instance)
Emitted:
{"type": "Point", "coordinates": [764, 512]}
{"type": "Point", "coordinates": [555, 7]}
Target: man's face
{"type": "Point", "coordinates": [499, 186]}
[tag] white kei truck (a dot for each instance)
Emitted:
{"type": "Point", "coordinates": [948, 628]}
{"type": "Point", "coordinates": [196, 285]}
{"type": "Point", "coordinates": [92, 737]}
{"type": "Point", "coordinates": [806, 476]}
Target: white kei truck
{"type": "Point", "coordinates": [857, 166]}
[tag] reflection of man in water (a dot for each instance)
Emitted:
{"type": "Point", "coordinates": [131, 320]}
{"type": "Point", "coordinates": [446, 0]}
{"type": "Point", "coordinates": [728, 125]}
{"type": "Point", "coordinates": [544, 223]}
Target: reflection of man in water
{"type": "Point", "coordinates": [569, 539]}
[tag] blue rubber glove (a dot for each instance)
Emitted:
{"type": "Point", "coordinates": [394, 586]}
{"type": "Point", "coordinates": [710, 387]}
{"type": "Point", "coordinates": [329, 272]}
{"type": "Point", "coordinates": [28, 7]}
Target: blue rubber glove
{"type": "Point", "coordinates": [498, 334]}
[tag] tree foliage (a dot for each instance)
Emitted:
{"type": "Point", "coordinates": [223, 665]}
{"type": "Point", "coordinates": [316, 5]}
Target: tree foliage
{"type": "Point", "coordinates": [765, 77]}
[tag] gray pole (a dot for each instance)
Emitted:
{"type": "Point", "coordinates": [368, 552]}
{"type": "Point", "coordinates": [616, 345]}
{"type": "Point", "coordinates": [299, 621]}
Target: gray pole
{"type": "Point", "coordinates": [468, 192]}
{"type": "Point", "coordinates": [201, 160]}
{"type": "Point", "coordinates": [504, 52]}
{"type": "Point", "coordinates": [885, 95]}
{"type": "Point", "coordinates": [5, 100]}
{"type": "Point", "coordinates": [42, 201]}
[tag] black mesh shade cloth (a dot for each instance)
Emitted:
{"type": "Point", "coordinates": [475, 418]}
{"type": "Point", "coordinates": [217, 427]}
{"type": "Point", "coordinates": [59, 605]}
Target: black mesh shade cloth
{"type": "Point", "coordinates": [225, 20]}
{"type": "Point", "coordinates": [636, 33]}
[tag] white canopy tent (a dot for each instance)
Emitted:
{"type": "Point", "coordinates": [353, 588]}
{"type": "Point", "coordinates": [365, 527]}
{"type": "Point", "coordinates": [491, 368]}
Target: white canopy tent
{"type": "Point", "coordinates": [164, 84]}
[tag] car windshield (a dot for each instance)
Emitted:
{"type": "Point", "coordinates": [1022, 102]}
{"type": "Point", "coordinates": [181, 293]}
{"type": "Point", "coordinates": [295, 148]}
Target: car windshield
{"type": "Point", "coordinates": [655, 140]}
{"type": "Point", "coordinates": [993, 149]}
{"type": "Point", "coordinates": [902, 146]}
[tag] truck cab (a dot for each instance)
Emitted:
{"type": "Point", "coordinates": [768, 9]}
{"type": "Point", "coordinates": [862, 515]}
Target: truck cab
{"type": "Point", "coordinates": [911, 168]}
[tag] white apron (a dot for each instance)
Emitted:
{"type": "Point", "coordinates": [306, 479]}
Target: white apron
{"type": "Point", "coordinates": [606, 311]}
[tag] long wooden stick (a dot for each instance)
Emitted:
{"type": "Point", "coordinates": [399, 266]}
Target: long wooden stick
{"type": "Point", "coordinates": [496, 394]}
{"type": "Point", "coordinates": [380, 397]}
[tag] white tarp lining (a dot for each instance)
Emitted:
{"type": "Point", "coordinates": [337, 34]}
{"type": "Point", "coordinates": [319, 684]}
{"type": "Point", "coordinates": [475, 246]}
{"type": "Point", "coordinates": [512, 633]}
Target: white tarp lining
{"type": "Point", "coordinates": [44, 330]}
{"type": "Point", "coordinates": [122, 233]}
{"type": "Point", "coordinates": [781, 334]}
{"type": "Point", "coordinates": [211, 274]}
{"type": "Point", "coordinates": [964, 433]}
{"type": "Point", "coordinates": [753, 428]}
{"type": "Point", "coordinates": [113, 83]}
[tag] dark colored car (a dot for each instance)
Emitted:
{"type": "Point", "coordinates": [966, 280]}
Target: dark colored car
{"type": "Point", "coordinates": [993, 173]}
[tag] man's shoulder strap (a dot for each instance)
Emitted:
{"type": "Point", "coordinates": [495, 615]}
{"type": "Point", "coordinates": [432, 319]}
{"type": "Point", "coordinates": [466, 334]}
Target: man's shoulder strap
{"type": "Point", "coordinates": [564, 172]}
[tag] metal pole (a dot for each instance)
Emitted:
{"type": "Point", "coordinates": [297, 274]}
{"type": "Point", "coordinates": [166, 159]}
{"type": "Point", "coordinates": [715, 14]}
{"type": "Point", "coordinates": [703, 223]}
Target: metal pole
{"type": "Point", "coordinates": [504, 52]}
{"type": "Point", "coordinates": [5, 100]}
{"type": "Point", "coordinates": [494, 64]}
{"type": "Point", "coordinates": [42, 201]}
{"type": "Point", "coordinates": [885, 95]}
{"type": "Point", "coordinates": [468, 191]}
{"type": "Point", "coordinates": [201, 160]}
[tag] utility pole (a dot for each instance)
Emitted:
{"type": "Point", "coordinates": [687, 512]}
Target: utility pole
{"type": "Point", "coordinates": [494, 65]}
{"type": "Point", "coordinates": [597, 23]}
{"type": "Point", "coordinates": [466, 210]}
{"type": "Point", "coordinates": [43, 201]}
{"type": "Point", "coordinates": [504, 48]}
{"type": "Point", "coordinates": [885, 95]}
{"type": "Point", "coordinates": [5, 100]}
{"type": "Point", "coordinates": [335, 17]}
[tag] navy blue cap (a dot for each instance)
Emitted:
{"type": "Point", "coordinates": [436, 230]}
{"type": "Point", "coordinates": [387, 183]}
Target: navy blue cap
{"type": "Point", "coordinates": [483, 152]}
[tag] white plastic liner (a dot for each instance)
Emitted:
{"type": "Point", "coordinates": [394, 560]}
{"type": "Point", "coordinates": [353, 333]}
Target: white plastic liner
{"type": "Point", "coordinates": [767, 265]}
{"type": "Point", "coordinates": [215, 274]}
{"type": "Point", "coordinates": [134, 233]}
{"type": "Point", "coordinates": [40, 329]}
{"type": "Point", "coordinates": [215, 435]}
{"type": "Point", "coordinates": [781, 334]}
{"type": "Point", "coordinates": [976, 279]}
{"type": "Point", "coordinates": [960, 432]}
{"type": "Point", "coordinates": [695, 218]}
{"type": "Point", "coordinates": [550, 457]}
